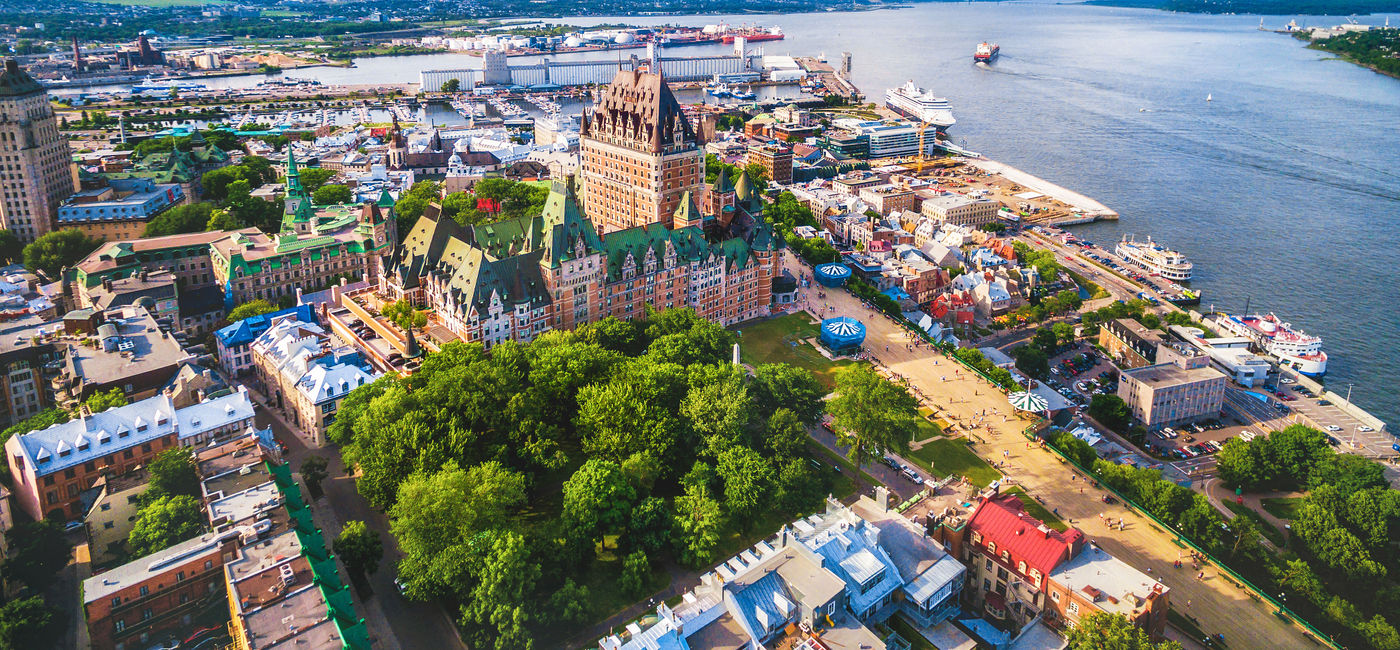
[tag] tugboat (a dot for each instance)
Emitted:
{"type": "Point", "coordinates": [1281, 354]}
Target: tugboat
{"type": "Point", "coordinates": [986, 52]}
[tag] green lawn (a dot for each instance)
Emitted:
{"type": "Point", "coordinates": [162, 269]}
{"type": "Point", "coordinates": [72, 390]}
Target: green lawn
{"type": "Point", "coordinates": [949, 456]}
{"type": "Point", "coordinates": [927, 430]}
{"type": "Point", "coordinates": [1283, 508]}
{"type": "Point", "coordinates": [1275, 535]}
{"type": "Point", "coordinates": [779, 340]}
{"type": "Point", "coordinates": [1036, 510]}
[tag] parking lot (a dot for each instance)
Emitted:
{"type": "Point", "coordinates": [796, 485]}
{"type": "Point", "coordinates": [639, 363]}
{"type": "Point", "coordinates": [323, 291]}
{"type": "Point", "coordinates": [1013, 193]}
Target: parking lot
{"type": "Point", "coordinates": [1078, 383]}
{"type": "Point", "coordinates": [1351, 433]}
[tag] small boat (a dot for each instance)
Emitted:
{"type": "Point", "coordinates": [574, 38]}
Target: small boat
{"type": "Point", "coordinates": [1208, 97]}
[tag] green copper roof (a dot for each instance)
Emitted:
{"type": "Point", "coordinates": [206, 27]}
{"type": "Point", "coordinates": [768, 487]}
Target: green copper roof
{"type": "Point", "coordinates": [385, 199]}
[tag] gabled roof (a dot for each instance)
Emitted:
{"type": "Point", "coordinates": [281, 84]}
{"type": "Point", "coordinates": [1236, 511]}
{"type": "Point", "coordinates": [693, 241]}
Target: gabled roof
{"type": "Point", "coordinates": [639, 107]}
{"type": "Point", "coordinates": [14, 81]}
{"type": "Point", "coordinates": [564, 226]}
{"type": "Point", "coordinates": [1002, 519]}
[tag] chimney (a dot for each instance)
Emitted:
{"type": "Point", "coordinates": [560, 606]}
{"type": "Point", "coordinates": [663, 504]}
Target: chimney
{"type": "Point", "coordinates": [107, 284]}
{"type": "Point", "coordinates": [882, 498]}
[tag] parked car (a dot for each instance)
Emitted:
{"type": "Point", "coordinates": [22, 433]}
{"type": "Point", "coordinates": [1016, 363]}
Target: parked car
{"type": "Point", "coordinates": [1364, 429]}
{"type": "Point", "coordinates": [1333, 427]}
{"type": "Point", "coordinates": [912, 475]}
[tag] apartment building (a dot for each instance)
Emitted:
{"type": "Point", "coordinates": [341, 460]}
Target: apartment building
{"type": "Point", "coordinates": [817, 583]}
{"type": "Point", "coordinates": [304, 374]}
{"type": "Point", "coordinates": [234, 341]}
{"type": "Point", "coordinates": [1130, 343]}
{"type": "Point", "coordinates": [113, 514]}
{"type": "Point", "coordinates": [888, 199]}
{"type": "Point", "coordinates": [54, 466]}
{"type": "Point", "coordinates": [776, 159]}
{"type": "Point", "coordinates": [1021, 571]}
{"type": "Point", "coordinates": [120, 210]}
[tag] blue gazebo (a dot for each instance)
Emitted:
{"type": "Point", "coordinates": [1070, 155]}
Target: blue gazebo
{"type": "Point", "coordinates": [842, 333]}
{"type": "Point", "coordinates": [833, 275]}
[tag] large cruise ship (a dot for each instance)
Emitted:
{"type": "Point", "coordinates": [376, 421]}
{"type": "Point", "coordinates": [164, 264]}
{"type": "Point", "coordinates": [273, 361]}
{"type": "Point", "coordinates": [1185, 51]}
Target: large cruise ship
{"type": "Point", "coordinates": [916, 103]}
{"type": "Point", "coordinates": [1156, 258]}
{"type": "Point", "coordinates": [1292, 347]}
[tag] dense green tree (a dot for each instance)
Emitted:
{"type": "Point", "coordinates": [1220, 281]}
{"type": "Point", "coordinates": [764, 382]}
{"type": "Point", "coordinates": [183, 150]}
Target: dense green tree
{"type": "Point", "coordinates": [698, 525]}
{"type": "Point", "coordinates": [1295, 450]}
{"type": "Point", "coordinates": [11, 248]}
{"type": "Point", "coordinates": [165, 522]}
{"type": "Point", "coordinates": [718, 412]}
{"type": "Point", "coordinates": [1379, 633]}
{"type": "Point", "coordinates": [313, 471]}
{"type": "Point", "coordinates": [778, 385]}
{"type": "Point", "coordinates": [100, 402]}
{"type": "Point", "coordinates": [224, 220]}
{"type": "Point", "coordinates": [798, 489]}
{"type": "Point", "coordinates": [38, 550]}
{"type": "Point", "coordinates": [636, 573]}
{"type": "Point", "coordinates": [623, 417]}
{"type": "Point", "coordinates": [332, 195]}
{"type": "Point", "coordinates": [1102, 630]}
{"type": "Point", "coordinates": [498, 603]}
{"type": "Point", "coordinates": [250, 309]}
{"type": "Point", "coordinates": [28, 623]}
{"type": "Point", "coordinates": [451, 85]}
{"type": "Point", "coordinates": [1299, 578]}
{"type": "Point", "coordinates": [312, 178]}
{"type": "Point", "coordinates": [570, 604]}
{"type": "Point", "coordinates": [649, 526]}
{"type": "Point", "coordinates": [173, 472]}
{"type": "Point", "coordinates": [614, 334]}
{"type": "Point", "coordinates": [55, 250]}
{"type": "Point", "coordinates": [784, 434]}
{"type": "Point", "coordinates": [872, 416]}
{"type": "Point", "coordinates": [641, 470]}
{"type": "Point", "coordinates": [1032, 361]}
{"type": "Point", "coordinates": [359, 548]}
{"type": "Point", "coordinates": [597, 501]}
{"type": "Point", "coordinates": [1076, 449]}
{"type": "Point", "coordinates": [1244, 465]}
{"type": "Point", "coordinates": [439, 514]}
{"type": "Point", "coordinates": [1349, 473]}
{"type": "Point", "coordinates": [748, 484]}
{"type": "Point", "coordinates": [405, 315]}
{"type": "Point", "coordinates": [1110, 411]}
{"type": "Point", "coordinates": [412, 203]}
{"type": "Point", "coordinates": [191, 217]}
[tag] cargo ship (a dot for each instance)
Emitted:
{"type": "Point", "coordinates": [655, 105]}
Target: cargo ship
{"type": "Point", "coordinates": [753, 34]}
{"type": "Point", "coordinates": [986, 52]}
{"type": "Point", "coordinates": [1292, 347]}
{"type": "Point", "coordinates": [916, 103]}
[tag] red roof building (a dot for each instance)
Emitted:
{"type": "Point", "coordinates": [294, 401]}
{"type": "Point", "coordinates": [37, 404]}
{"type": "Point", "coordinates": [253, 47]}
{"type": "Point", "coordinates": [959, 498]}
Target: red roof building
{"type": "Point", "coordinates": [1020, 569]}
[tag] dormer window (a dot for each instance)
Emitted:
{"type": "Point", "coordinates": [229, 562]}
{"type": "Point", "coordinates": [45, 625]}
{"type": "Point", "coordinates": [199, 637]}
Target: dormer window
{"type": "Point", "coordinates": [1021, 567]}
{"type": "Point", "coordinates": [1005, 556]}
{"type": "Point", "coordinates": [992, 547]}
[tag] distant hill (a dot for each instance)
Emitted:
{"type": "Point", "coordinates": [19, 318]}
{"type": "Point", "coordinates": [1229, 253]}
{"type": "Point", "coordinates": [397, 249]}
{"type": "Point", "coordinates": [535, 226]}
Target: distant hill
{"type": "Point", "coordinates": [1265, 7]}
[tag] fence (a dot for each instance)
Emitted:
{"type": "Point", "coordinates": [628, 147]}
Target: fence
{"type": "Point", "coordinates": [1282, 611]}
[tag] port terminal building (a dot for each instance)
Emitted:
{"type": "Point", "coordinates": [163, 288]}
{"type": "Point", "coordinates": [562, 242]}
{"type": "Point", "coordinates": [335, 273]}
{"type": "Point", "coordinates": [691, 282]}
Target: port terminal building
{"type": "Point", "coordinates": [497, 71]}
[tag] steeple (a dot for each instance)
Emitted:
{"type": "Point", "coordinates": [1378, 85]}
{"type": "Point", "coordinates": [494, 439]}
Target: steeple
{"type": "Point", "coordinates": [411, 349]}
{"type": "Point", "coordinates": [294, 188]}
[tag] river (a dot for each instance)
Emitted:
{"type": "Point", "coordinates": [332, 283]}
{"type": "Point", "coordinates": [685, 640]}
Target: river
{"type": "Point", "coordinates": [1284, 190]}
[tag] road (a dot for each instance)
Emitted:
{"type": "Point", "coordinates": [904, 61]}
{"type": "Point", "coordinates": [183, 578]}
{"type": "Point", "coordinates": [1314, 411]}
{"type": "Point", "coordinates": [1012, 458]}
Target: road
{"type": "Point", "coordinates": [410, 624]}
{"type": "Point", "coordinates": [1218, 605]}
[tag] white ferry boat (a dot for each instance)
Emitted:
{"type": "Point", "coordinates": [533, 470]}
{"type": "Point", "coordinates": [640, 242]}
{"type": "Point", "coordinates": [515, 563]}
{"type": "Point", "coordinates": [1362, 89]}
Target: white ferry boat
{"type": "Point", "coordinates": [1292, 347]}
{"type": "Point", "coordinates": [916, 103]}
{"type": "Point", "coordinates": [1156, 258]}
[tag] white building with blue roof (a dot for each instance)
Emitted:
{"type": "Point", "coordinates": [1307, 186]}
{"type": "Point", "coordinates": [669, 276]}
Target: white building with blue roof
{"type": "Point", "coordinates": [305, 374]}
{"type": "Point", "coordinates": [816, 584]}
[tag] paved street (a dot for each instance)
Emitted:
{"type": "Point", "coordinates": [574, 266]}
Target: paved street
{"type": "Point", "coordinates": [410, 624]}
{"type": "Point", "coordinates": [1217, 604]}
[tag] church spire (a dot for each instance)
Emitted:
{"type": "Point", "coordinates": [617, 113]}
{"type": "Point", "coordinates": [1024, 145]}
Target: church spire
{"type": "Point", "coordinates": [294, 188]}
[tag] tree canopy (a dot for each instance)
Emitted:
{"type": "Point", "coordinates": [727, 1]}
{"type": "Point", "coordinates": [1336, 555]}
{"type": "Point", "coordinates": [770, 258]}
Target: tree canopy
{"type": "Point", "coordinates": [250, 309]}
{"type": "Point", "coordinates": [165, 522]}
{"type": "Point", "coordinates": [191, 217]}
{"type": "Point", "coordinates": [1102, 630]}
{"type": "Point", "coordinates": [359, 547]}
{"type": "Point", "coordinates": [55, 250]}
{"type": "Point", "coordinates": [871, 415]}
{"type": "Point", "coordinates": [38, 550]}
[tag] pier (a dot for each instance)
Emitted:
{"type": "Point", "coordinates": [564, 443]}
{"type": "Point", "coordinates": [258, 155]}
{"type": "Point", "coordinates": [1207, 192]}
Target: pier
{"type": "Point", "coordinates": [1082, 209]}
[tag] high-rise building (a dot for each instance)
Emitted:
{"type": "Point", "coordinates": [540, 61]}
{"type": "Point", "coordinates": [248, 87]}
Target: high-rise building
{"type": "Point", "coordinates": [32, 147]}
{"type": "Point", "coordinates": [640, 155]}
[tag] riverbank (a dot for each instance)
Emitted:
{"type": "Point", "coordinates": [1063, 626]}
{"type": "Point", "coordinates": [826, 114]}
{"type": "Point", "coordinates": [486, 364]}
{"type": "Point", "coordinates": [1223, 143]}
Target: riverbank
{"type": "Point", "coordinates": [1081, 209]}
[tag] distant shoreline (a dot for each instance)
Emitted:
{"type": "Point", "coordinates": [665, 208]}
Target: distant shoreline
{"type": "Point", "coordinates": [1299, 8]}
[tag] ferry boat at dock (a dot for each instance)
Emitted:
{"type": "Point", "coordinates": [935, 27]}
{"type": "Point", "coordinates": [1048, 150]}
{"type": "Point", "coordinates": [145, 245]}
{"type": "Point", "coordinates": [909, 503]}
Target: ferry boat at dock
{"type": "Point", "coordinates": [916, 103]}
{"type": "Point", "coordinates": [1292, 347]}
{"type": "Point", "coordinates": [986, 52]}
{"type": "Point", "coordinates": [1156, 258]}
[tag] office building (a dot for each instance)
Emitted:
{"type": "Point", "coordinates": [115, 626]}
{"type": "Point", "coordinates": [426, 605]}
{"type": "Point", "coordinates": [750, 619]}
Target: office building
{"type": "Point", "coordinates": [40, 172]}
{"type": "Point", "coordinates": [134, 354]}
{"type": "Point", "coordinates": [888, 199]}
{"type": "Point", "coordinates": [776, 159]}
{"type": "Point", "coordinates": [29, 356]}
{"type": "Point", "coordinates": [639, 153]}
{"type": "Point", "coordinates": [234, 341]}
{"type": "Point", "coordinates": [1185, 389]}
{"type": "Point", "coordinates": [960, 210]}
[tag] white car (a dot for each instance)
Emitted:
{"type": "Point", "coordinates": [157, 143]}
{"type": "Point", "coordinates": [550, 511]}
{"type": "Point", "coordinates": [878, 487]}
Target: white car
{"type": "Point", "coordinates": [1333, 427]}
{"type": "Point", "coordinates": [1286, 380]}
{"type": "Point", "coordinates": [1365, 429]}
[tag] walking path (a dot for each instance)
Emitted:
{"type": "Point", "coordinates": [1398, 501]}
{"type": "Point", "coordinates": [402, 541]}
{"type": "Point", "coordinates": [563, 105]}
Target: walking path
{"type": "Point", "coordinates": [967, 400]}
